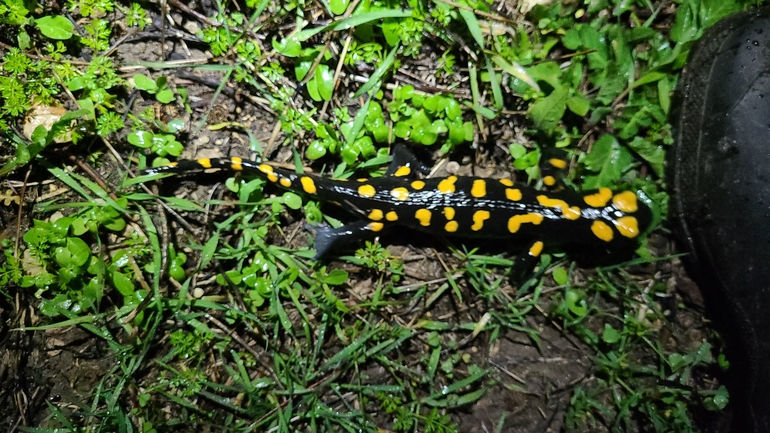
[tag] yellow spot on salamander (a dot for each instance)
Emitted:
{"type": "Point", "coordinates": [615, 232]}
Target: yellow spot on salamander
{"type": "Point", "coordinates": [391, 216]}
{"type": "Point", "coordinates": [269, 172]}
{"type": "Point", "coordinates": [400, 193]}
{"type": "Point", "coordinates": [602, 231]}
{"type": "Point", "coordinates": [402, 171]}
{"type": "Point", "coordinates": [449, 213]}
{"type": "Point", "coordinates": [236, 164]}
{"type": "Point", "coordinates": [536, 249]}
{"type": "Point", "coordinates": [205, 162]}
{"type": "Point", "coordinates": [506, 182]}
{"type": "Point", "coordinates": [549, 181]}
{"type": "Point", "coordinates": [513, 194]}
{"type": "Point", "coordinates": [375, 215]}
{"type": "Point", "coordinates": [423, 216]}
{"type": "Point", "coordinates": [451, 226]}
{"type": "Point", "coordinates": [567, 211]}
{"type": "Point", "coordinates": [515, 222]}
{"type": "Point", "coordinates": [367, 191]}
{"type": "Point", "coordinates": [599, 198]}
{"type": "Point", "coordinates": [447, 185]}
{"type": "Point", "coordinates": [285, 182]}
{"type": "Point", "coordinates": [558, 163]}
{"type": "Point", "coordinates": [478, 219]}
{"type": "Point", "coordinates": [479, 188]}
{"type": "Point", "coordinates": [418, 185]}
{"type": "Point", "coordinates": [627, 226]}
{"type": "Point", "coordinates": [625, 201]}
{"type": "Point", "coordinates": [308, 185]}
{"type": "Point", "coordinates": [375, 227]}
{"type": "Point", "coordinates": [362, 179]}
{"type": "Point", "coordinates": [172, 164]}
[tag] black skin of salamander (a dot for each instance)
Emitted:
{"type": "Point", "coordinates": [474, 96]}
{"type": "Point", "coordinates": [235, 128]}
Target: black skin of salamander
{"type": "Point", "coordinates": [555, 230]}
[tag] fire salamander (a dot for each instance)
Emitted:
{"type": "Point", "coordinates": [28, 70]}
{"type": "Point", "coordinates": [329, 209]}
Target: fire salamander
{"type": "Point", "coordinates": [459, 206]}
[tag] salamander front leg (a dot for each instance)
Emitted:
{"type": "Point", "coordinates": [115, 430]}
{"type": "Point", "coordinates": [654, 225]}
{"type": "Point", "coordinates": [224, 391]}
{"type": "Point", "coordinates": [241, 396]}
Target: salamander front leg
{"type": "Point", "coordinates": [553, 168]}
{"type": "Point", "coordinates": [327, 238]}
{"type": "Point", "coordinates": [526, 262]}
{"type": "Point", "coordinates": [405, 163]}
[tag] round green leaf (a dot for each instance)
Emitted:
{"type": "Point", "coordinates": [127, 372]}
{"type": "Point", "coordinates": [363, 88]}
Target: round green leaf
{"type": "Point", "coordinates": [559, 274]}
{"type": "Point", "coordinates": [302, 69]}
{"type": "Point", "coordinates": [175, 125]}
{"type": "Point", "coordinates": [53, 306]}
{"type": "Point", "coordinates": [610, 334]}
{"type": "Point", "coordinates": [349, 154]}
{"type": "Point", "coordinates": [365, 146]}
{"type": "Point", "coordinates": [173, 147]}
{"type": "Point", "coordinates": [256, 298]}
{"type": "Point", "coordinates": [55, 27]}
{"type": "Point", "coordinates": [418, 100]}
{"type": "Point", "coordinates": [141, 139]}
{"type": "Point", "coordinates": [288, 47]}
{"type": "Point", "coordinates": [381, 133]}
{"type": "Point", "coordinates": [123, 283]}
{"type": "Point", "coordinates": [453, 109]}
{"type": "Point", "coordinates": [165, 96]}
{"type": "Point", "coordinates": [336, 277]}
{"type": "Point", "coordinates": [428, 136]}
{"type": "Point", "coordinates": [339, 6]}
{"type": "Point", "coordinates": [62, 225]}
{"type": "Point", "coordinates": [78, 226]}
{"type": "Point", "coordinates": [142, 82]}
{"type": "Point", "coordinates": [315, 150]}
{"type": "Point", "coordinates": [79, 250]}
{"type": "Point", "coordinates": [67, 274]}
{"type": "Point", "coordinates": [176, 270]}
{"type": "Point", "coordinates": [62, 256]}
{"type": "Point", "coordinates": [375, 110]}
{"type": "Point", "coordinates": [576, 302]}
{"type": "Point", "coordinates": [312, 90]}
{"type": "Point", "coordinates": [291, 200]}
{"type": "Point", "coordinates": [468, 128]}
{"type": "Point", "coordinates": [456, 133]}
{"type": "Point", "coordinates": [392, 32]}
{"type": "Point", "coordinates": [24, 40]}
{"type": "Point", "coordinates": [402, 129]}
{"type": "Point", "coordinates": [115, 224]}
{"type": "Point", "coordinates": [325, 80]}
{"type": "Point", "coordinates": [439, 126]}
{"type": "Point", "coordinates": [432, 104]}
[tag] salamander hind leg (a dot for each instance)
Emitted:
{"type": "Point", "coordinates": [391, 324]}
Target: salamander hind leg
{"type": "Point", "coordinates": [328, 238]}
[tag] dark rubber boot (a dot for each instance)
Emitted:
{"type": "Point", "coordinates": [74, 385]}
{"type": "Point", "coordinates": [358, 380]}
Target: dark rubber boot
{"type": "Point", "coordinates": [719, 172]}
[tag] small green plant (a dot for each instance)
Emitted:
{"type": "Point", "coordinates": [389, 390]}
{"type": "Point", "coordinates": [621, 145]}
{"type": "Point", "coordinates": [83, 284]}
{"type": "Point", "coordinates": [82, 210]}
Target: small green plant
{"type": "Point", "coordinates": [162, 143]}
{"type": "Point", "coordinates": [427, 118]}
{"type": "Point", "coordinates": [63, 261]}
{"type": "Point", "coordinates": [341, 140]}
{"type": "Point", "coordinates": [21, 77]}
{"type": "Point", "coordinates": [97, 34]}
{"type": "Point", "coordinates": [158, 87]}
{"type": "Point", "coordinates": [376, 257]}
{"type": "Point", "coordinates": [135, 15]}
{"type": "Point", "coordinates": [93, 88]}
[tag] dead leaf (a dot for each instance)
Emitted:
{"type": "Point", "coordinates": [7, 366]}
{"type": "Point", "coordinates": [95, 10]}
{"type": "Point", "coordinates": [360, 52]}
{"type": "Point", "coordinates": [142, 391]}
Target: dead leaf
{"type": "Point", "coordinates": [46, 116]}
